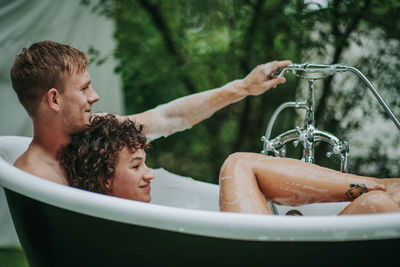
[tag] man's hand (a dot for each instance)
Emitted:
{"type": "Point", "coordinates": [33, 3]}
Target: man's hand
{"type": "Point", "coordinates": [259, 80]}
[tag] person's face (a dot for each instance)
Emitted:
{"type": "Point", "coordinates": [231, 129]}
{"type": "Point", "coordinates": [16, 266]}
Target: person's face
{"type": "Point", "coordinates": [77, 100]}
{"type": "Point", "coordinates": [132, 176]}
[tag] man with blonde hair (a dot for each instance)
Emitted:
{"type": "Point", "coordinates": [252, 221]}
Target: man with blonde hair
{"type": "Point", "coordinates": [54, 86]}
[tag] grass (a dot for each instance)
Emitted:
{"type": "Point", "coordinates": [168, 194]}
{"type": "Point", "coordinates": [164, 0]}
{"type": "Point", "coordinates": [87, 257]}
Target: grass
{"type": "Point", "coordinates": [13, 257]}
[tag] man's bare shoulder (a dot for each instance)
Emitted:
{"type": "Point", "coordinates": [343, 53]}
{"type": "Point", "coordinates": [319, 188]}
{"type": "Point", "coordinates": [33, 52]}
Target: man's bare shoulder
{"type": "Point", "coordinates": [39, 166]}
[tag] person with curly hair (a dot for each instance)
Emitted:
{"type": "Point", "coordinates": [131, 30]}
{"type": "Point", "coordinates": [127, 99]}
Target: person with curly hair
{"type": "Point", "coordinates": [109, 158]}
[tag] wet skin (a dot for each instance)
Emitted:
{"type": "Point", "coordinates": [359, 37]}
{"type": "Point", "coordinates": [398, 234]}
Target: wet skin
{"type": "Point", "coordinates": [248, 181]}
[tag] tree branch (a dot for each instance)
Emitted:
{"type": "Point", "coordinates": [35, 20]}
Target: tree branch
{"type": "Point", "coordinates": [245, 66]}
{"type": "Point", "coordinates": [161, 25]}
{"type": "Point", "coordinates": [341, 41]}
{"type": "Point", "coordinates": [248, 38]}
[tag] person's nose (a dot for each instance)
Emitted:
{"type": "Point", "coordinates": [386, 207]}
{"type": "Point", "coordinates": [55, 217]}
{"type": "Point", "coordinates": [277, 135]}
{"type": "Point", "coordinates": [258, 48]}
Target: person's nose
{"type": "Point", "coordinates": [94, 97]}
{"type": "Point", "coordinates": [149, 175]}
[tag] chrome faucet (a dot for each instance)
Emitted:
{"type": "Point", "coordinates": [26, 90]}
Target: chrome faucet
{"type": "Point", "coordinates": [308, 135]}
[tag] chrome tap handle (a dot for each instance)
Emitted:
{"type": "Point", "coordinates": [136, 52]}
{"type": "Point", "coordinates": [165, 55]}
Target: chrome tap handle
{"type": "Point", "coordinates": [275, 146]}
{"type": "Point", "coordinates": [324, 70]}
{"type": "Point", "coordinates": [342, 149]}
{"type": "Point", "coordinates": [339, 147]}
{"type": "Point", "coordinates": [278, 145]}
{"type": "Point", "coordinates": [269, 146]}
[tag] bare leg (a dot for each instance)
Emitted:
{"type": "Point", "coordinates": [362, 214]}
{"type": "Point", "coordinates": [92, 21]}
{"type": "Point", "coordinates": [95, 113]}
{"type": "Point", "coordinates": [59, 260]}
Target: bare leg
{"type": "Point", "coordinates": [239, 190]}
{"type": "Point", "coordinates": [372, 202]}
{"type": "Point", "coordinates": [249, 180]}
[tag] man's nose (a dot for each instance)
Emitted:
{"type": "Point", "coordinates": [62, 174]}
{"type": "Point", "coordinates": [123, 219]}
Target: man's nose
{"type": "Point", "coordinates": [94, 97]}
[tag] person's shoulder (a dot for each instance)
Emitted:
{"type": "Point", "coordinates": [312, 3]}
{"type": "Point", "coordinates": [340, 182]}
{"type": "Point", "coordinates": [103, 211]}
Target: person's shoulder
{"type": "Point", "coordinates": [32, 164]}
{"type": "Point", "coordinates": [22, 161]}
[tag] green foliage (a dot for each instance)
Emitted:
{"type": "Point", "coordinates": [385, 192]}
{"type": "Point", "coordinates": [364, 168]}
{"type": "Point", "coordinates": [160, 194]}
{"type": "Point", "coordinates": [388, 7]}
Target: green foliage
{"type": "Point", "coordinates": [168, 49]}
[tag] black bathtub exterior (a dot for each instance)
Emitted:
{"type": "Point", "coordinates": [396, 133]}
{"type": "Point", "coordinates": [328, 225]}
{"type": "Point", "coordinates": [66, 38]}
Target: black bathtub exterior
{"type": "Point", "coordinates": [56, 237]}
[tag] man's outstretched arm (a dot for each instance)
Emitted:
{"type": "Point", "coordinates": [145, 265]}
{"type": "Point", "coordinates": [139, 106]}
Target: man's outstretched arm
{"type": "Point", "coordinates": [183, 113]}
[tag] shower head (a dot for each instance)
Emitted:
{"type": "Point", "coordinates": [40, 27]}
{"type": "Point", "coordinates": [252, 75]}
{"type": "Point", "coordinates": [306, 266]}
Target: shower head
{"type": "Point", "coordinates": [311, 71]}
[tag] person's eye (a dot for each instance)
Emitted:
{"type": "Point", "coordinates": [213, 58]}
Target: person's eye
{"type": "Point", "coordinates": [135, 166]}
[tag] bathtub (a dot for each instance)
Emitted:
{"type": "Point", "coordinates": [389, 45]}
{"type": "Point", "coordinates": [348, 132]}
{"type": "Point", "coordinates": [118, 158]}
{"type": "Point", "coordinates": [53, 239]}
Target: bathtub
{"type": "Point", "coordinates": [62, 226]}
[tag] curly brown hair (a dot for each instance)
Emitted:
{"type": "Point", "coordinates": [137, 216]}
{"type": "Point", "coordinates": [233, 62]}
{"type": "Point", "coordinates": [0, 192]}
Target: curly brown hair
{"type": "Point", "coordinates": [89, 159]}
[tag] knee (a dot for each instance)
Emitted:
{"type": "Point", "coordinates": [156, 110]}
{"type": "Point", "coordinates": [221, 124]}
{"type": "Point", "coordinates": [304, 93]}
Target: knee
{"type": "Point", "coordinates": [247, 159]}
{"type": "Point", "coordinates": [235, 161]}
{"type": "Point", "coordinates": [375, 195]}
{"type": "Point", "coordinates": [229, 162]}
{"type": "Point", "coordinates": [235, 157]}
{"type": "Point", "coordinates": [379, 201]}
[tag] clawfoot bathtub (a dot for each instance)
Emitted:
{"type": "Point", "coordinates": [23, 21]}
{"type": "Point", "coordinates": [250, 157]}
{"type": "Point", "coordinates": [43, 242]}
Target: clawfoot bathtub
{"type": "Point", "coordinates": [62, 226]}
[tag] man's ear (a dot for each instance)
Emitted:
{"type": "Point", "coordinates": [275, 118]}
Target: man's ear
{"type": "Point", "coordinates": [53, 99]}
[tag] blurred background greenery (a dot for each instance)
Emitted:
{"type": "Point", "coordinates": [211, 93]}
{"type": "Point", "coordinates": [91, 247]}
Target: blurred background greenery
{"type": "Point", "coordinates": [168, 49]}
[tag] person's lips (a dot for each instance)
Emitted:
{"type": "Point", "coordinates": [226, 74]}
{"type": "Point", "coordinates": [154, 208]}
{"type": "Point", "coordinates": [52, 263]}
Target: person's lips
{"type": "Point", "coordinates": [146, 187]}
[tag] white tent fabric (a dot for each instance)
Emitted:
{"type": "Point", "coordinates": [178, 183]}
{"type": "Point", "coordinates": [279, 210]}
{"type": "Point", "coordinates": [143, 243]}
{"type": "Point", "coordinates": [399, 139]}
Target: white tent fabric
{"type": "Point", "coordinates": [23, 22]}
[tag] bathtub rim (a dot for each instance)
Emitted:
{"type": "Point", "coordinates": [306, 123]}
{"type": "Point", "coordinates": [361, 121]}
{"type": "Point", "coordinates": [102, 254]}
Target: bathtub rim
{"type": "Point", "coordinates": [213, 224]}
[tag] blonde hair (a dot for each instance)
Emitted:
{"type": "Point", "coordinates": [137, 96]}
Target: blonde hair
{"type": "Point", "coordinates": [42, 66]}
